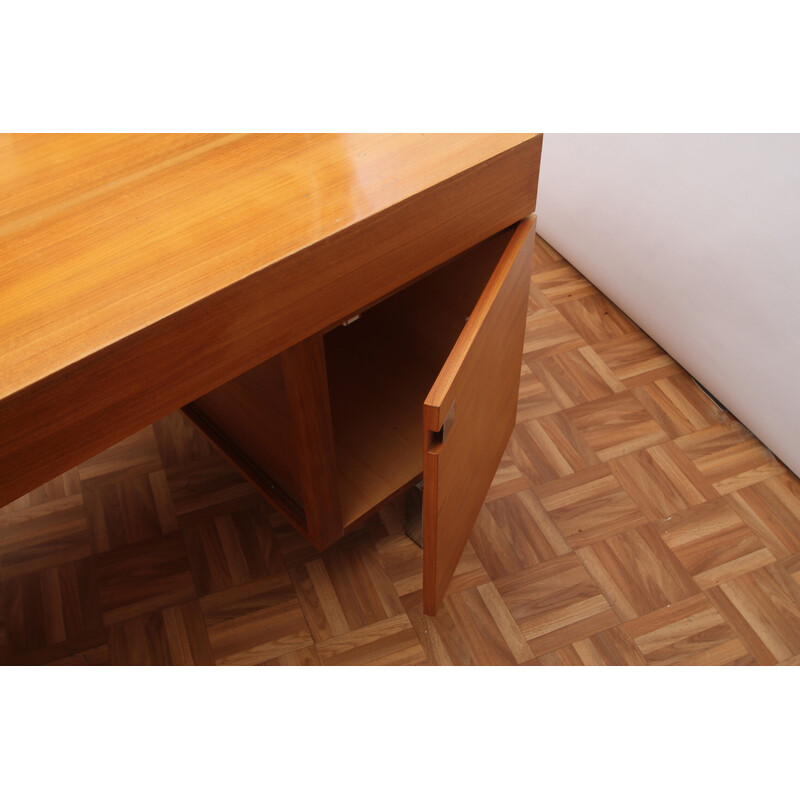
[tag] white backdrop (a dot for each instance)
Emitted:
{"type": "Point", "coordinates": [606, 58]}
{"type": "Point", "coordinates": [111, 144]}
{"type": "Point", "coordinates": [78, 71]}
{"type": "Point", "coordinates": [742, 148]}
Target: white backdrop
{"type": "Point", "coordinates": [697, 238]}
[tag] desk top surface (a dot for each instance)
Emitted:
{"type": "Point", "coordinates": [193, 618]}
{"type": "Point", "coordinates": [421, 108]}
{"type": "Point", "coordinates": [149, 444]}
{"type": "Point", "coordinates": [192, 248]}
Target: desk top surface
{"type": "Point", "coordinates": [103, 235]}
{"type": "Point", "coordinates": [141, 271]}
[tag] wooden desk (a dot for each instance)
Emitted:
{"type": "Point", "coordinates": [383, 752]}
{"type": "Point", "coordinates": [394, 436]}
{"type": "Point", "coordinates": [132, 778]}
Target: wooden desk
{"type": "Point", "coordinates": [138, 273]}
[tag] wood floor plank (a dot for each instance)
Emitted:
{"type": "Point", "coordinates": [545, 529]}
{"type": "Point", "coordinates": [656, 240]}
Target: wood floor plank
{"type": "Point", "coordinates": [609, 648]}
{"type": "Point", "coordinates": [123, 512]}
{"type": "Point", "coordinates": [180, 442]}
{"type": "Point", "coordinates": [209, 487]}
{"type": "Point", "coordinates": [88, 649]}
{"type": "Point", "coordinates": [231, 549]}
{"type": "Point", "coordinates": [304, 657]}
{"type": "Point", "coordinates": [549, 448]}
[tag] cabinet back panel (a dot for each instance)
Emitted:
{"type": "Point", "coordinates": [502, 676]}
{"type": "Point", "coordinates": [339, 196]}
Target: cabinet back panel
{"type": "Point", "coordinates": [381, 367]}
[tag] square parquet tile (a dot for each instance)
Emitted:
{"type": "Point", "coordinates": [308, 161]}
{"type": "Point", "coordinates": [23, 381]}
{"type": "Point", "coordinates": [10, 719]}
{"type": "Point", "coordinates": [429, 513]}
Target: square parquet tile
{"type": "Point", "coordinates": [713, 543]}
{"type": "Point", "coordinates": [561, 282]}
{"type": "Point", "coordinates": [516, 532]}
{"type": "Point", "coordinates": [548, 448]}
{"type": "Point", "coordinates": [171, 636]}
{"type": "Point", "coordinates": [662, 480]}
{"type": "Point", "coordinates": [52, 605]}
{"type": "Point", "coordinates": [88, 649]}
{"type": "Point", "coordinates": [764, 612]}
{"type": "Point", "coordinates": [590, 505]}
{"type": "Point", "coordinates": [575, 377]}
{"type": "Point", "coordinates": [547, 333]}
{"type": "Point", "coordinates": [128, 511]}
{"type": "Point", "coordinates": [730, 457]}
{"type": "Point", "coordinates": [556, 603]}
{"type": "Point", "coordinates": [691, 633]}
{"type": "Point", "coordinates": [679, 405]}
{"type": "Point", "coordinates": [636, 359]}
{"type": "Point", "coordinates": [596, 318]}
{"type": "Point", "coordinates": [616, 426]}
{"type": "Point", "coordinates": [772, 509]}
{"type": "Point", "coordinates": [231, 549]}
{"type": "Point", "coordinates": [143, 577]}
{"type": "Point", "coordinates": [136, 455]}
{"type": "Point", "coordinates": [255, 622]}
{"type": "Point", "coordinates": [42, 536]}
{"type": "Point", "coordinates": [637, 572]}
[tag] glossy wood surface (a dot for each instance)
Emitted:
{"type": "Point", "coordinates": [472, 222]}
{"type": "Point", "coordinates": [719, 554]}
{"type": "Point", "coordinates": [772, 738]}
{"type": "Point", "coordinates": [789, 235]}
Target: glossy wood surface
{"type": "Point", "coordinates": [685, 551]}
{"type": "Point", "coordinates": [473, 405]}
{"type": "Point", "coordinates": [140, 272]}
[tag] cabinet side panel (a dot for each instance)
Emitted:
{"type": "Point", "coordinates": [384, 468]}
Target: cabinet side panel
{"type": "Point", "coordinates": [252, 413]}
{"type": "Point", "coordinates": [307, 391]}
{"type": "Point", "coordinates": [470, 413]}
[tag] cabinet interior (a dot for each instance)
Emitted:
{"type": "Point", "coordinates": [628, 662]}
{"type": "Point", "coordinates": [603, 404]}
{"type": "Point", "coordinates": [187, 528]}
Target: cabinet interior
{"type": "Point", "coordinates": [378, 371]}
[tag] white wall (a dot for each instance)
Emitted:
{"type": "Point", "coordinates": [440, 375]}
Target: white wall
{"type": "Point", "coordinates": [697, 238]}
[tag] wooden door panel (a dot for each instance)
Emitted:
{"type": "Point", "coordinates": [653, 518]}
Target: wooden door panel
{"type": "Point", "coordinates": [469, 414]}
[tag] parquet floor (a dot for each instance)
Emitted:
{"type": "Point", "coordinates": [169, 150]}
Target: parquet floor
{"type": "Point", "coordinates": [631, 522]}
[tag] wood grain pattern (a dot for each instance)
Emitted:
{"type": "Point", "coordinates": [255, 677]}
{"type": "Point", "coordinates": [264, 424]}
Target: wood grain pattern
{"type": "Point", "coordinates": [479, 382]}
{"type": "Point", "coordinates": [680, 552]}
{"type": "Point", "coordinates": [259, 394]}
{"type": "Point", "coordinates": [308, 399]}
{"type": "Point", "coordinates": [140, 284]}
